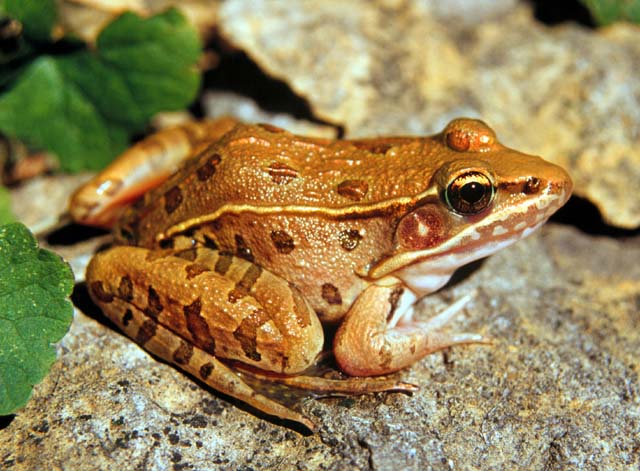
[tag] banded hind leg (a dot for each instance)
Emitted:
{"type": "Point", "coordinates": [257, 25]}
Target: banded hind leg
{"type": "Point", "coordinates": [198, 307]}
{"type": "Point", "coordinates": [201, 364]}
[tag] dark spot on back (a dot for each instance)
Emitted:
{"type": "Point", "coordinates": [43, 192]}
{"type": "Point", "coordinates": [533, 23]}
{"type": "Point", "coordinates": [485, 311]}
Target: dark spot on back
{"type": "Point", "coordinates": [154, 306]}
{"type": "Point", "coordinates": [172, 199]}
{"type": "Point", "coordinates": [125, 289]}
{"type": "Point", "coordinates": [331, 294]}
{"type": "Point", "coordinates": [98, 291]}
{"type": "Point", "coordinates": [354, 190]}
{"type": "Point", "coordinates": [282, 241]}
{"type": "Point", "coordinates": [207, 170]}
{"type": "Point", "coordinates": [350, 239]}
{"type": "Point", "coordinates": [281, 173]}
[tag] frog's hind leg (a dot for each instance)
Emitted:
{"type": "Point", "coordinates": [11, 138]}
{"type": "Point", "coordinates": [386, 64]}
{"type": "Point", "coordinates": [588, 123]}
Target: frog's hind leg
{"type": "Point", "coordinates": [154, 337]}
{"type": "Point", "coordinates": [321, 385]}
{"type": "Point", "coordinates": [193, 307]}
{"type": "Point", "coordinates": [140, 168]}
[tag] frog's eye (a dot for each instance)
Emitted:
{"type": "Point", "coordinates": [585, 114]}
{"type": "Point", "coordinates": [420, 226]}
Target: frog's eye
{"type": "Point", "coordinates": [469, 193]}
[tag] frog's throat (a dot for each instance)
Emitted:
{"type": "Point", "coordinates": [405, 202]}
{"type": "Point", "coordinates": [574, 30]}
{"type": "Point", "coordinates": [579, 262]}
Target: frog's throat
{"type": "Point", "coordinates": [493, 233]}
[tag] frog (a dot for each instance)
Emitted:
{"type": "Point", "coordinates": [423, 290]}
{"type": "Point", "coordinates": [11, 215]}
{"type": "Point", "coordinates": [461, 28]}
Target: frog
{"type": "Point", "coordinates": [237, 246]}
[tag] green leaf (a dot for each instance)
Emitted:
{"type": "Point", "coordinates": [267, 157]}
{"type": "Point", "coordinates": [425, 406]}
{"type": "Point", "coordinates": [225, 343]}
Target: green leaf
{"type": "Point", "coordinates": [51, 112]}
{"type": "Point", "coordinates": [605, 12]}
{"type": "Point", "coordinates": [84, 106]}
{"type": "Point", "coordinates": [155, 59]}
{"type": "Point", "coordinates": [37, 16]}
{"type": "Point", "coordinates": [34, 313]}
{"type": "Point", "coordinates": [6, 215]}
{"type": "Point", "coordinates": [145, 66]}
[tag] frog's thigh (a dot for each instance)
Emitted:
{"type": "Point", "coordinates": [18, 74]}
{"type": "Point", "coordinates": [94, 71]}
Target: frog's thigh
{"type": "Point", "coordinates": [367, 343]}
{"type": "Point", "coordinates": [199, 363]}
{"type": "Point", "coordinates": [223, 305]}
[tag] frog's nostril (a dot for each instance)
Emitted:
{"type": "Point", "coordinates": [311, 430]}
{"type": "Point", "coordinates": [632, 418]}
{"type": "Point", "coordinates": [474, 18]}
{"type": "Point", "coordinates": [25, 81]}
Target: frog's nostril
{"type": "Point", "coordinates": [531, 186]}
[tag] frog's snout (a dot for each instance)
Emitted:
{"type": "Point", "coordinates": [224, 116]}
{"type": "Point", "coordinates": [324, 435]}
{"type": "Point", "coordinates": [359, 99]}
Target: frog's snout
{"type": "Point", "coordinates": [560, 184]}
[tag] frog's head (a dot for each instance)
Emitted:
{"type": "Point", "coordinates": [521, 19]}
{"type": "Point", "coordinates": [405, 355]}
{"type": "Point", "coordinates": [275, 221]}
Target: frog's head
{"type": "Point", "coordinates": [482, 197]}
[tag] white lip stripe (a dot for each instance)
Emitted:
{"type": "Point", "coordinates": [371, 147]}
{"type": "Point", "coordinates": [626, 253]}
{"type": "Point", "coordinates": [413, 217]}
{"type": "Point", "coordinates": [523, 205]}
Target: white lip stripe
{"type": "Point", "coordinates": [499, 230]}
{"type": "Point", "coordinates": [433, 273]}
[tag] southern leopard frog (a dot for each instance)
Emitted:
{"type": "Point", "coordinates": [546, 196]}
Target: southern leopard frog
{"type": "Point", "coordinates": [261, 237]}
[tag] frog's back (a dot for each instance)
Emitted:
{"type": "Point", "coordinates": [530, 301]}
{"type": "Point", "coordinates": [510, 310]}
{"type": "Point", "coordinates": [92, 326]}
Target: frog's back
{"type": "Point", "coordinates": [262, 168]}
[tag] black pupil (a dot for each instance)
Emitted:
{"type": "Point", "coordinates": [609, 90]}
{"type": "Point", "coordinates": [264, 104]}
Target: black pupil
{"type": "Point", "coordinates": [472, 192]}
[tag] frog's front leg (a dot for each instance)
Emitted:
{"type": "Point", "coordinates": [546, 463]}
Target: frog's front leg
{"type": "Point", "coordinates": [100, 201]}
{"type": "Point", "coordinates": [197, 306]}
{"type": "Point", "coordinates": [378, 335]}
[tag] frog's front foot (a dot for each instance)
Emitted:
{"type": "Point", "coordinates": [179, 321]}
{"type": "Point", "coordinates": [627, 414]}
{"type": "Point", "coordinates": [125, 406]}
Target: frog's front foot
{"type": "Point", "coordinates": [374, 339]}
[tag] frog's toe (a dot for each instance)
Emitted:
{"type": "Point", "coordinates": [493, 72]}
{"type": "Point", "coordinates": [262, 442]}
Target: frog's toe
{"type": "Point", "coordinates": [440, 320]}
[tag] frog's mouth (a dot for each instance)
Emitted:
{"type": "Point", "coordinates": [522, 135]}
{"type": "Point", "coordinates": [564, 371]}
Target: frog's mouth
{"type": "Point", "coordinates": [425, 271]}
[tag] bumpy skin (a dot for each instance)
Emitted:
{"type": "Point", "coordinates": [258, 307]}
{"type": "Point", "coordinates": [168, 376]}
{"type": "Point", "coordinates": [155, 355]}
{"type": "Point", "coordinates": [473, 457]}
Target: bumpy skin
{"type": "Point", "coordinates": [261, 236]}
{"type": "Point", "coordinates": [320, 213]}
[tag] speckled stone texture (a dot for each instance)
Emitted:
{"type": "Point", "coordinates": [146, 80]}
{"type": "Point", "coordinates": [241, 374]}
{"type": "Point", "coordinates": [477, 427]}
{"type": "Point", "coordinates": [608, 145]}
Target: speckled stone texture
{"type": "Point", "coordinates": [557, 390]}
